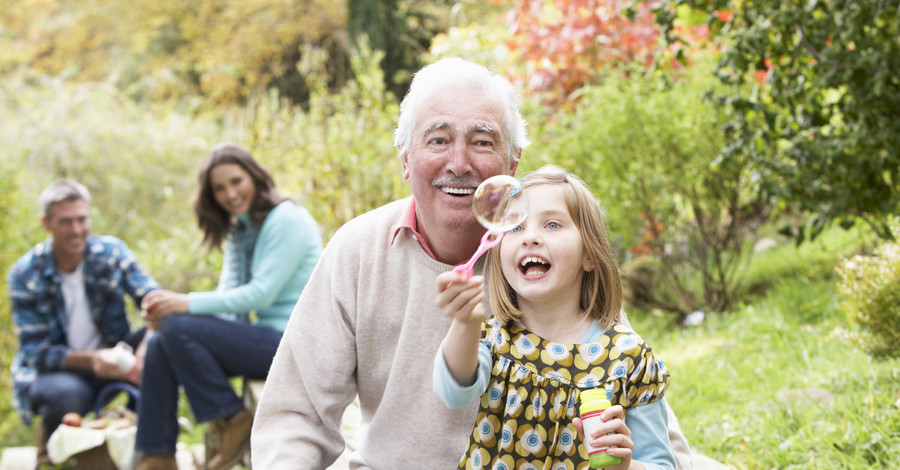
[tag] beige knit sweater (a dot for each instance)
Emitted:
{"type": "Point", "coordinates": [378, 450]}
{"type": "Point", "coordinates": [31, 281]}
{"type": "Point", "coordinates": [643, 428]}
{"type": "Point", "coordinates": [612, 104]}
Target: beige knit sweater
{"type": "Point", "coordinates": [366, 323]}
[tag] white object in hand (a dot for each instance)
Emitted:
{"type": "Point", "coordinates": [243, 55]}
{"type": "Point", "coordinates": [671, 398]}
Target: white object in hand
{"type": "Point", "coordinates": [123, 355]}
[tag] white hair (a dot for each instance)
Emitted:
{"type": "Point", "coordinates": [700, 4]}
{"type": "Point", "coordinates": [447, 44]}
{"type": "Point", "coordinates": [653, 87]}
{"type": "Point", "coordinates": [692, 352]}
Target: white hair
{"type": "Point", "coordinates": [59, 191]}
{"type": "Point", "coordinates": [454, 71]}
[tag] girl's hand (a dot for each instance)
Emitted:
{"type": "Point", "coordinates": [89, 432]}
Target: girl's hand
{"type": "Point", "coordinates": [461, 298]}
{"type": "Point", "coordinates": [614, 434]}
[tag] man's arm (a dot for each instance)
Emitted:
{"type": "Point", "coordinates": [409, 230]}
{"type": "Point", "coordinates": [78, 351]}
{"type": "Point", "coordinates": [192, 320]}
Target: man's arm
{"type": "Point", "coordinates": [33, 329]}
{"type": "Point", "coordinates": [138, 282]}
{"type": "Point", "coordinates": [313, 374]}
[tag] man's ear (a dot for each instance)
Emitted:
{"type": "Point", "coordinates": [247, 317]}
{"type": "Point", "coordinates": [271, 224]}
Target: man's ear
{"type": "Point", "coordinates": [404, 164]}
{"type": "Point", "coordinates": [45, 223]}
{"type": "Point", "coordinates": [514, 164]}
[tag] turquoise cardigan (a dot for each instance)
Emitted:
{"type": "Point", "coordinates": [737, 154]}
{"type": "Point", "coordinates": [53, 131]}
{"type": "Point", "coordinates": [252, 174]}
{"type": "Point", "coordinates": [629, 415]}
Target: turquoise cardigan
{"type": "Point", "coordinates": [286, 251]}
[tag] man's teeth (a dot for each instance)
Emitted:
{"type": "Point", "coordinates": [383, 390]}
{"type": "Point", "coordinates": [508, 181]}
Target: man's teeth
{"type": "Point", "coordinates": [460, 191]}
{"type": "Point", "coordinates": [532, 259]}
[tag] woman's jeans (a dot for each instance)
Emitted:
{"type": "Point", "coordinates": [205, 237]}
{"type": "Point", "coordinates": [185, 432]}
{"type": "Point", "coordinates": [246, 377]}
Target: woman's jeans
{"type": "Point", "coordinates": [200, 353]}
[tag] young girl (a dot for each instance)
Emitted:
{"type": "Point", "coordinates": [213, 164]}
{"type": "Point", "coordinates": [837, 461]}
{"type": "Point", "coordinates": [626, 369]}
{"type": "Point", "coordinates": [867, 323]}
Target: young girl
{"type": "Point", "coordinates": [557, 329]}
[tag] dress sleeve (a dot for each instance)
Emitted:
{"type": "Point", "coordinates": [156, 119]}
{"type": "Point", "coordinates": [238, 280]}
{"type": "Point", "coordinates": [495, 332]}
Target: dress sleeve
{"type": "Point", "coordinates": [649, 379]}
{"type": "Point", "coordinates": [449, 390]}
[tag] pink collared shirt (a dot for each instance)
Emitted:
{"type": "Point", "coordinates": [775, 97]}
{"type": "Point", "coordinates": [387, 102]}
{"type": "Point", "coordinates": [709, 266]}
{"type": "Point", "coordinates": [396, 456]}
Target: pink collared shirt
{"type": "Point", "coordinates": [409, 221]}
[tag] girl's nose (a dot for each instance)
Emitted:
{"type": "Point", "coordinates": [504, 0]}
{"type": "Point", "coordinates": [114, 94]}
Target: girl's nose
{"type": "Point", "coordinates": [530, 237]}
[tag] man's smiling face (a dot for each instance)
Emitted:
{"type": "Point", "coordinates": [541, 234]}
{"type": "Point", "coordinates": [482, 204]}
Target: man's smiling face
{"type": "Point", "coordinates": [457, 144]}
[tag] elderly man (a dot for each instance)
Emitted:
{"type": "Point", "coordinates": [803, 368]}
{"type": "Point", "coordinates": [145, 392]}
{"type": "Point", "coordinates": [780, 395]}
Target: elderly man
{"type": "Point", "coordinates": [367, 324]}
{"type": "Point", "coordinates": [68, 307]}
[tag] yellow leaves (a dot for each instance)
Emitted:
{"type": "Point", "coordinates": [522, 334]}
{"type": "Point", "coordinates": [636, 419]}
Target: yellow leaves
{"type": "Point", "coordinates": [171, 47]}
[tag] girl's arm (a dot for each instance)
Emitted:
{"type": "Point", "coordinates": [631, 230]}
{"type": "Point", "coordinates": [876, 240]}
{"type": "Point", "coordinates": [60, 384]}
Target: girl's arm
{"type": "Point", "coordinates": [461, 299]}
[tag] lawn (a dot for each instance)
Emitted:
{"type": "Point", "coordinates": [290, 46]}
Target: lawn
{"type": "Point", "coordinates": [741, 381]}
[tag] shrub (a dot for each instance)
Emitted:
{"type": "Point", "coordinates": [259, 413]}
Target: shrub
{"type": "Point", "coordinates": [870, 286]}
{"type": "Point", "coordinates": [651, 151]}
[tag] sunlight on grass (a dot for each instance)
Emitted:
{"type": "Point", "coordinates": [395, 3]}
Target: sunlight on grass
{"type": "Point", "coordinates": [739, 379]}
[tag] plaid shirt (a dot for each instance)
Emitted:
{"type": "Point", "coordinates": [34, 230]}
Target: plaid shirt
{"type": "Point", "coordinates": [39, 313]}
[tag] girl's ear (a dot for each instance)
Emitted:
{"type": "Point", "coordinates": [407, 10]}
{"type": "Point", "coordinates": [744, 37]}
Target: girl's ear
{"type": "Point", "coordinates": [588, 266]}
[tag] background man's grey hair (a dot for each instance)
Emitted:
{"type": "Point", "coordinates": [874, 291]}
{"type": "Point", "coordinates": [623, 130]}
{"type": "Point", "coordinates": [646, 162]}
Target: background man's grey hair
{"type": "Point", "coordinates": [59, 191]}
{"type": "Point", "coordinates": [453, 71]}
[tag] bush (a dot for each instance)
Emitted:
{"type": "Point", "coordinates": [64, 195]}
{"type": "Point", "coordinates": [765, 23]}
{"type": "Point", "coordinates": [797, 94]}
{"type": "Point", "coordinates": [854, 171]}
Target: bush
{"type": "Point", "coordinates": [870, 286]}
{"type": "Point", "coordinates": [651, 153]}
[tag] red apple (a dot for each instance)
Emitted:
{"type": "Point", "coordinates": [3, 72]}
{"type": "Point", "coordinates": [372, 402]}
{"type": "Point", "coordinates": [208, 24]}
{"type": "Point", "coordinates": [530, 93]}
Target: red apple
{"type": "Point", "coordinates": [72, 419]}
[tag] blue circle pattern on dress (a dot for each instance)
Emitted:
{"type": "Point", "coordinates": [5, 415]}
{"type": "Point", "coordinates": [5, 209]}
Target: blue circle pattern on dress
{"type": "Point", "coordinates": [525, 417]}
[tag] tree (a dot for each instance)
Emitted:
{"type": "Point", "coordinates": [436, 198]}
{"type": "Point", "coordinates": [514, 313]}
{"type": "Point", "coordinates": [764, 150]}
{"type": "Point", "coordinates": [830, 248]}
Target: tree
{"type": "Point", "coordinates": [219, 49]}
{"type": "Point", "coordinates": [401, 29]}
{"type": "Point", "coordinates": [565, 45]}
{"type": "Point", "coordinates": [823, 119]}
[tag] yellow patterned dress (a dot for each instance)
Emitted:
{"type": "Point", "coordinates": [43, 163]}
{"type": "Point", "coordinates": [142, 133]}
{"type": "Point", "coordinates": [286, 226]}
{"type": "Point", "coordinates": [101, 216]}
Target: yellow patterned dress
{"type": "Point", "coordinates": [525, 417]}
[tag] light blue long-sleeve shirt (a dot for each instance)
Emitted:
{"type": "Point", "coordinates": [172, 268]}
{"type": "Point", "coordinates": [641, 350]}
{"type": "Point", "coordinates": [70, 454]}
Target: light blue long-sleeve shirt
{"type": "Point", "coordinates": [648, 423]}
{"type": "Point", "coordinates": [287, 249]}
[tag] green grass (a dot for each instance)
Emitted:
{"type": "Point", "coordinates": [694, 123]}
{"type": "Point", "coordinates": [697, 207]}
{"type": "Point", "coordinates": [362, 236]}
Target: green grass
{"type": "Point", "coordinates": [727, 372]}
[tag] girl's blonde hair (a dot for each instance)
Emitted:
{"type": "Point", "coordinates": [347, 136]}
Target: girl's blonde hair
{"type": "Point", "coordinates": [601, 287]}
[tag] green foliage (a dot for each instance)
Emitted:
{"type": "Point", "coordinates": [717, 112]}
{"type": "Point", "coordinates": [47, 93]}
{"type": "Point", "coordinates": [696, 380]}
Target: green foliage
{"type": "Point", "coordinates": [651, 152]}
{"type": "Point", "coordinates": [870, 286]}
{"type": "Point", "coordinates": [731, 374]}
{"type": "Point", "coordinates": [822, 116]}
{"type": "Point", "coordinates": [138, 164]}
{"type": "Point", "coordinates": [218, 50]}
{"type": "Point", "coordinates": [401, 30]}
{"type": "Point", "coordinates": [337, 156]}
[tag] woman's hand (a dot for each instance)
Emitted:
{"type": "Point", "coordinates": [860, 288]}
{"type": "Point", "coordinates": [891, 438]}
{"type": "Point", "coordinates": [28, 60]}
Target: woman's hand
{"type": "Point", "coordinates": [461, 298]}
{"type": "Point", "coordinates": [159, 303]}
{"type": "Point", "coordinates": [613, 434]}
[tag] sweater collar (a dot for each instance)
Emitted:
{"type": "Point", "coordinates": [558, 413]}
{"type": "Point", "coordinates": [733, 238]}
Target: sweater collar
{"type": "Point", "coordinates": [408, 221]}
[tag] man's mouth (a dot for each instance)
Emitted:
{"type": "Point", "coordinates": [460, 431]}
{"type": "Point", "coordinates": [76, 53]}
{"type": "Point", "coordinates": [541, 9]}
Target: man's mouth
{"type": "Point", "coordinates": [457, 191]}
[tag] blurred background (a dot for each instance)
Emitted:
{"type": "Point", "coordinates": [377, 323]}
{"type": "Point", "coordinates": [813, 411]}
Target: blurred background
{"type": "Point", "coordinates": [746, 154]}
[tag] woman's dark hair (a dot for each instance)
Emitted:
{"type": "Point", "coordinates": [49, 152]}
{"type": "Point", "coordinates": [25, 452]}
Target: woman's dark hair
{"type": "Point", "coordinates": [215, 221]}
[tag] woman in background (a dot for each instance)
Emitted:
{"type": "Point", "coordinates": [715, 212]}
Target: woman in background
{"type": "Point", "coordinates": [205, 338]}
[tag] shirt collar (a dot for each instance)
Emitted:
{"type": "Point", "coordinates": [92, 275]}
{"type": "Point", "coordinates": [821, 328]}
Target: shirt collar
{"type": "Point", "coordinates": [408, 221]}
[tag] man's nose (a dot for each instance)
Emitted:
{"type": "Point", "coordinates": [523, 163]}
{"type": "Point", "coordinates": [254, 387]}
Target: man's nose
{"type": "Point", "coordinates": [459, 161]}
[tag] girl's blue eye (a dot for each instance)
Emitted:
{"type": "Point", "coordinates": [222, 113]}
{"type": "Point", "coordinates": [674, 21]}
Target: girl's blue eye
{"type": "Point", "coordinates": [517, 228]}
{"type": "Point", "coordinates": [553, 225]}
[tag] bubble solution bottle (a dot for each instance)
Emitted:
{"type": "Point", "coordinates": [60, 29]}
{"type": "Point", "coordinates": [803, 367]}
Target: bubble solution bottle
{"type": "Point", "coordinates": [593, 402]}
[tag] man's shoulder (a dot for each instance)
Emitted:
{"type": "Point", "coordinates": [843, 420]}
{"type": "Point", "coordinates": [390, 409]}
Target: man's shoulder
{"type": "Point", "coordinates": [105, 249]}
{"type": "Point", "coordinates": [377, 220]}
{"type": "Point", "coordinates": [36, 259]}
{"type": "Point", "coordinates": [104, 244]}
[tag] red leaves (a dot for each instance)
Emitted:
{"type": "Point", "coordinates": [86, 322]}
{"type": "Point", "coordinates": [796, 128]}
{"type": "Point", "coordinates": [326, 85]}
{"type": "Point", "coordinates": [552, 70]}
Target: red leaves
{"type": "Point", "coordinates": [567, 44]}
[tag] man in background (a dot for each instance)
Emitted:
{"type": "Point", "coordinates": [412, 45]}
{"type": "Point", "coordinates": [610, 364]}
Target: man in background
{"type": "Point", "coordinates": [68, 308]}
